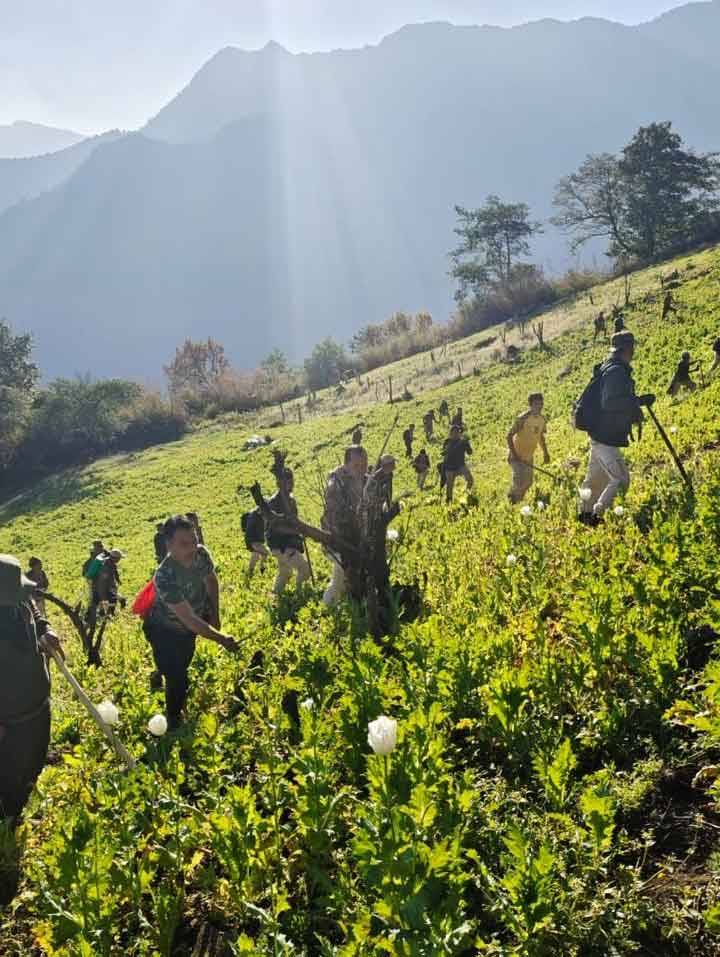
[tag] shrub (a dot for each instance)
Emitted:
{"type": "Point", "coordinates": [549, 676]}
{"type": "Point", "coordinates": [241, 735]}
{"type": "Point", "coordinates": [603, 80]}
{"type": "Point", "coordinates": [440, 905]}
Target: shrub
{"type": "Point", "coordinates": [150, 420]}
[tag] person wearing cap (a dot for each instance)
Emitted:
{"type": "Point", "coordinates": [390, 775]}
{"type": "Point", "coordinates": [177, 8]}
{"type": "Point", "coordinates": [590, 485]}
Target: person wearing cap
{"type": "Point", "coordinates": [26, 641]}
{"type": "Point", "coordinates": [523, 439]}
{"type": "Point", "coordinates": [287, 548]}
{"type": "Point", "coordinates": [682, 378]}
{"type": "Point", "coordinates": [36, 573]}
{"type": "Point", "coordinates": [619, 410]}
{"type": "Point", "coordinates": [343, 495]}
{"type": "Point", "coordinates": [108, 580]}
{"type": "Point", "coordinates": [455, 449]}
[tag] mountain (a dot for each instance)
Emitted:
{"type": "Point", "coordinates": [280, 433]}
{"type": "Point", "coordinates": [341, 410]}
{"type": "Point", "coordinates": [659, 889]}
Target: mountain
{"type": "Point", "coordinates": [281, 198]}
{"type": "Point", "coordinates": [21, 139]}
{"type": "Point", "coordinates": [693, 29]}
{"type": "Point", "coordinates": [24, 179]}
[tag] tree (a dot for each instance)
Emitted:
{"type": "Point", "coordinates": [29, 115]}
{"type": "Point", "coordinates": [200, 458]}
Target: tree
{"type": "Point", "coordinates": [18, 378]}
{"type": "Point", "coordinates": [653, 196]}
{"type": "Point", "coordinates": [197, 367]}
{"type": "Point", "coordinates": [670, 189]}
{"type": "Point", "coordinates": [591, 203]}
{"type": "Point", "coordinates": [493, 238]}
{"type": "Point", "coordinates": [275, 365]}
{"type": "Point", "coordinates": [423, 322]}
{"type": "Point", "coordinates": [325, 365]}
{"type": "Point", "coordinates": [368, 337]}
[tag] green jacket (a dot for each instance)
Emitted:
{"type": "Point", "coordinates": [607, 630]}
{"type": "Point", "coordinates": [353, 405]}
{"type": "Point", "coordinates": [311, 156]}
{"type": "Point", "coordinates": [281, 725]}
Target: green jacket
{"type": "Point", "coordinates": [24, 674]}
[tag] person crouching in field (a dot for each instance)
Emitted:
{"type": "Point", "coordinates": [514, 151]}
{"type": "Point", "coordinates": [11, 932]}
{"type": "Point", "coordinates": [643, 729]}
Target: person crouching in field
{"type": "Point", "coordinates": [25, 643]}
{"type": "Point", "coordinates": [421, 464]}
{"type": "Point", "coordinates": [523, 439]}
{"type": "Point", "coordinates": [454, 451]}
{"type": "Point", "coordinates": [287, 548]}
{"type": "Point", "coordinates": [682, 378]}
{"type": "Point", "coordinates": [187, 605]}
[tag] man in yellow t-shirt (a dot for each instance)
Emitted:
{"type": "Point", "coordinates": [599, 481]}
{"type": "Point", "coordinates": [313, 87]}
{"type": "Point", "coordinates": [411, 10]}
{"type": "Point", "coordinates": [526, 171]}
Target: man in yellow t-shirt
{"type": "Point", "coordinates": [523, 438]}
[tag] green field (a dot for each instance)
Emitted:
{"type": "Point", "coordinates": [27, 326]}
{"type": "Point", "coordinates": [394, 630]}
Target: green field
{"type": "Point", "coordinates": [553, 712]}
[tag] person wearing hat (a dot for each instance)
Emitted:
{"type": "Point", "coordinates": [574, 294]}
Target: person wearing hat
{"type": "Point", "coordinates": [455, 449]}
{"type": "Point", "coordinates": [343, 495]}
{"type": "Point", "coordinates": [287, 548]}
{"type": "Point", "coordinates": [618, 411]}
{"type": "Point", "coordinates": [26, 641]}
{"type": "Point", "coordinates": [108, 580]}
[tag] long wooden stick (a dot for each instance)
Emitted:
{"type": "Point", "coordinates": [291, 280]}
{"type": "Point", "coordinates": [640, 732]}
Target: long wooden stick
{"type": "Point", "coordinates": [671, 450]}
{"type": "Point", "coordinates": [119, 748]}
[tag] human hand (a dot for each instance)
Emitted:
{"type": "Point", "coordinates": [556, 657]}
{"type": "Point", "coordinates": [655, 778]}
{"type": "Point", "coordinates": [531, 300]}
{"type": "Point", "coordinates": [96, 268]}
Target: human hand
{"type": "Point", "coordinates": [647, 400]}
{"type": "Point", "coordinates": [50, 644]}
{"type": "Point", "coordinates": [228, 643]}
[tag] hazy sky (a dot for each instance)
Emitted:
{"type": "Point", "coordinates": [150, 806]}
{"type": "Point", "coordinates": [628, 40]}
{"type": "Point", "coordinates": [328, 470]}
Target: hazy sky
{"type": "Point", "coordinates": [97, 64]}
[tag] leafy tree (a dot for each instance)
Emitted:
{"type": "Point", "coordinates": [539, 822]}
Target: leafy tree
{"type": "Point", "coordinates": [645, 201]}
{"type": "Point", "coordinates": [18, 378]}
{"type": "Point", "coordinates": [275, 365]}
{"type": "Point", "coordinates": [493, 238]}
{"type": "Point", "coordinates": [368, 337]}
{"type": "Point", "coordinates": [197, 367]}
{"type": "Point", "coordinates": [423, 322]}
{"type": "Point", "coordinates": [326, 364]}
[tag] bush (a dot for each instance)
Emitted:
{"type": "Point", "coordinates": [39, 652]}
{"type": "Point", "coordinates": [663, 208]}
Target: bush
{"type": "Point", "coordinates": [150, 420]}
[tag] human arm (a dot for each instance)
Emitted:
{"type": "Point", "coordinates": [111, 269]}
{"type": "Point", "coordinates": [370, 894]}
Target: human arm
{"type": "Point", "coordinates": [186, 616]}
{"type": "Point", "coordinates": [509, 438]}
{"type": "Point", "coordinates": [618, 394]}
{"type": "Point", "coordinates": [543, 446]}
{"type": "Point", "coordinates": [213, 590]}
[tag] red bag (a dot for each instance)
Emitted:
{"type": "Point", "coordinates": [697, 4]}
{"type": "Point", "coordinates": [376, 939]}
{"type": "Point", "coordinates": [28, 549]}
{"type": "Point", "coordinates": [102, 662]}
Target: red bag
{"type": "Point", "coordinates": [144, 600]}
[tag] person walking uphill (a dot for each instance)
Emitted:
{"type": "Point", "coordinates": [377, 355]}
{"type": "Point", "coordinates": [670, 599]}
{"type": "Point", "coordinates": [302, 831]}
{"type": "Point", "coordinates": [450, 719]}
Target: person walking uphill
{"type": "Point", "coordinates": [609, 409]}
{"type": "Point", "coordinates": [288, 549]}
{"type": "Point", "coordinates": [25, 642]}
{"type": "Point", "coordinates": [408, 437]}
{"type": "Point", "coordinates": [523, 438]}
{"type": "Point", "coordinates": [682, 378]}
{"type": "Point", "coordinates": [186, 589]}
{"type": "Point", "coordinates": [454, 451]}
{"type": "Point", "coordinates": [343, 496]}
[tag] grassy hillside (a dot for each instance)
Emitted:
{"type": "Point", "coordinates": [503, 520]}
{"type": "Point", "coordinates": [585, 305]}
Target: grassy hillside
{"type": "Point", "coordinates": [552, 712]}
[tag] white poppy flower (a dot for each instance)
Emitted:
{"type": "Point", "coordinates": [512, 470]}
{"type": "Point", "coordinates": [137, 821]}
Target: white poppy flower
{"type": "Point", "coordinates": [619, 510]}
{"type": "Point", "coordinates": [308, 704]}
{"type": "Point", "coordinates": [526, 510]}
{"type": "Point", "coordinates": [109, 713]}
{"type": "Point", "coordinates": [393, 534]}
{"type": "Point", "coordinates": [382, 735]}
{"type": "Point", "coordinates": [511, 559]}
{"type": "Point", "coordinates": [158, 725]}
{"type": "Point", "coordinates": [540, 506]}
{"type": "Point", "coordinates": [585, 494]}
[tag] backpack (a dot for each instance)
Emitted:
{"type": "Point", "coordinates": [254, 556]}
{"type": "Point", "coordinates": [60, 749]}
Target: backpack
{"type": "Point", "coordinates": [144, 600]}
{"type": "Point", "coordinates": [94, 568]}
{"type": "Point", "coordinates": [586, 410]}
{"type": "Point", "coordinates": [253, 526]}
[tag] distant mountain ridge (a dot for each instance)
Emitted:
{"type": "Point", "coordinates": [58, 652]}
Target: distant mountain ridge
{"type": "Point", "coordinates": [21, 139]}
{"type": "Point", "coordinates": [280, 198]}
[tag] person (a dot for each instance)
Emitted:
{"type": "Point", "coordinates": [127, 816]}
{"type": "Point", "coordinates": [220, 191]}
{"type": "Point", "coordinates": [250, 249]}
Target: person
{"type": "Point", "coordinates": [105, 591]}
{"type": "Point", "coordinates": [408, 436]}
{"type": "Point", "coordinates": [455, 449]}
{"type": "Point", "coordinates": [197, 526]}
{"type": "Point", "coordinates": [716, 355]}
{"type": "Point", "coordinates": [90, 570]}
{"type": "Point", "coordinates": [444, 410]}
{"type": "Point", "coordinates": [429, 424]}
{"type": "Point", "coordinates": [619, 324]}
{"type": "Point", "coordinates": [600, 326]}
{"type": "Point", "coordinates": [668, 305]}
{"type": "Point", "coordinates": [36, 573]}
{"type": "Point", "coordinates": [618, 410]}
{"type": "Point", "coordinates": [286, 547]}
{"type": "Point", "coordinates": [253, 526]}
{"type": "Point", "coordinates": [421, 464]}
{"type": "Point", "coordinates": [457, 419]}
{"type": "Point", "coordinates": [343, 497]}
{"type": "Point", "coordinates": [681, 379]}
{"type": "Point", "coordinates": [527, 433]}
{"type": "Point", "coordinates": [187, 606]}
{"type": "Point", "coordinates": [159, 542]}
{"type": "Point", "coordinates": [26, 641]}
{"type": "Point", "coordinates": [357, 436]}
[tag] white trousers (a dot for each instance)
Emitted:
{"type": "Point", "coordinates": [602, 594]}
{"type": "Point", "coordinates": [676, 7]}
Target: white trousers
{"type": "Point", "coordinates": [607, 475]}
{"type": "Point", "coordinates": [337, 588]}
{"type": "Point", "coordinates": [288, 562]}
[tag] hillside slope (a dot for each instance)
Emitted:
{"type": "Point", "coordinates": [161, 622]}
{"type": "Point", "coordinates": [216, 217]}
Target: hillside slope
{"type": "Point", "coordinates": [279, 198]}
{"type": "Point", "coordinates": [539, 800]}
{"type": "Point", "coordinates": [22, 139]}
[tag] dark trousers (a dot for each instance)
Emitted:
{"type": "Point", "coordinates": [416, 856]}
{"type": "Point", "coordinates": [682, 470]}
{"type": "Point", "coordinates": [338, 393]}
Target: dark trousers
{"type": "Point", "coordinates": [173, 651]}
{"type": "Point", "coordinates": [23, 749]}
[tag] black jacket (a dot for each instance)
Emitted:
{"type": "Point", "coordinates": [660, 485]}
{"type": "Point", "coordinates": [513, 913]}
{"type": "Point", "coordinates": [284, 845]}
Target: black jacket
{"type": "Point", "coordinates": [619, 406]}
{"type": "Point", "coordinates": [454, 452]}
{"type": "Point", "coordinates": [280, 541]}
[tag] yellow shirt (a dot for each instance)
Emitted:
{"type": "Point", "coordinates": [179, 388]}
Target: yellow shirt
{"type": "Point", "coordinates": [528, 429]}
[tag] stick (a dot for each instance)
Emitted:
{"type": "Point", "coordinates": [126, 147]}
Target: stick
{"type": "Point", "coordinates": [387, 438]}
{"type": "Point", "coordinates": [82, 697]}
{"type": "Point", "coordinates": [307, 556]}
{"type": "Point", "coordinates": [671, 450]}
{"type": "Point", "coordinates": [536, 468]}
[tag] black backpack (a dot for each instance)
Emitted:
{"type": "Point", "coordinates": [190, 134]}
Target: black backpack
{"type": "Point", "coordinates": [253, 526]}
{"type": "Point", "coordinates": [586, 410]}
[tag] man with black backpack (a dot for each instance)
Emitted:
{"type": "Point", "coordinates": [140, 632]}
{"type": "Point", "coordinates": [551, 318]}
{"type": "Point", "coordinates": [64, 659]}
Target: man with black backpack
{"type": "Point", "coordinates": [607, 410]}
{"type": "Point", "coordinates": [253, 526]}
